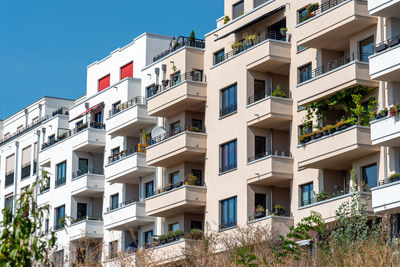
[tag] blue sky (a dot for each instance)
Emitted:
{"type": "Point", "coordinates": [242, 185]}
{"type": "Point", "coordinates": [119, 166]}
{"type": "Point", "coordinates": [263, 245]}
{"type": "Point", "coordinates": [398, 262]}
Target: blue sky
{"type": "Point", "coordinates": [45, 45]}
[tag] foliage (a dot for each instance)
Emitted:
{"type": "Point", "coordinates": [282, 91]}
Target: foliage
{"type": "Point", "coordinates": [20, 245]}
{"type": "Point", "coordinates": [321, 196]}
{"type": "Point", "coordinates": [394, 177]}
{"type": "Point", "coordinates": [237, 44]}
{"type": "Point", "coordinates": [192, 36]}
{"type": "Point", "coordinates": [174, 68]}
{"type": "Point", "coordinates": [353, 177]}
{"type": "Point", "coordinates": [259, 208]}
{"type": "Point", "coordinates": [311, 8]}
{"type": "Point", "coordinates": [283, 29]}
{"type": "Point", "coordinates": [191, 179]}
{"type": "Point", "coordinates": [250, 38]}
{"type": "Point", "coordinates": [278, 92]}
{"type": "Point", "coordinates": [196, 233]}
{"type": "Point", "coordinates": [179, 232]}
{"type": "Point", "coordinates": [279, 209]}
{"type": "Point", "coordinates": [170, 234]}
{"type": "Point", "coordinates": [226, 19]}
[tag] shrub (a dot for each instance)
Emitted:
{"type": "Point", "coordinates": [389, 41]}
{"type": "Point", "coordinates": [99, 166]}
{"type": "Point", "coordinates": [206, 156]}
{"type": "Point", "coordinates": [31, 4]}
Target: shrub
{"type": "Point", "coordinates": [196, 234]}
{"type": "Point", "coordinates": [226, 19]}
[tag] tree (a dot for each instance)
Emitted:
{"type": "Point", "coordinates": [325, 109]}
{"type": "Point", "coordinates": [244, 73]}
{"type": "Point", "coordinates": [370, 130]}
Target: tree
{"type": "Point", "coordinates": [20, 245]}
{"type": "Point", "coordinates": [192, 36]}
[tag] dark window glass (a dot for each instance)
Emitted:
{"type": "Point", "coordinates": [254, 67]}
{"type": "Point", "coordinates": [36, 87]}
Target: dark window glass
{"type": "Point", "coordinates": [366, 48]}
{"type": "Point", "coordinates": [259, 2]}
{"type": "Point", "coordinates": [228, 157]}
{"type": "Point", "coordinates": [98, 117]}
{"type": "Point", "coordinates": [305, 73]}
{"type": "Point", "coordinates": [196, 225]}
{"type": "Point", "coordinates": [79, 123]}
{"type": "Point", "coordinates": [306, 194]}
{"type": "Point", "coordinates": [174, 178]}
{"type": "Point", "coordinates": [52, 138]}
{"type": "Point", "coordinates": [149, 189]}
{"type": "Point", "coordinates": [302, 14]}
{"type": "Point", "coordinates": [81, 212]}
{"type": "Point", "coordinates": [59, 217]}
{"type": "Point", "coordinates": [147, 238]}
{"type": "Point", "coordinates": [197, 124]}
{"type": "Point", "coordinates": [114, 201]}
{"type": "Point", "coordinates": [219, 56]}
{"type": "Point", "coordinates": [8, 203]}
{"type": "Point", "coordinates": [259, 146]}
{"type": "Point", "coordinates": [115, 107]}
{"type": "Point", "coordinates": [370, 175]}
{"type": "Point", "coordinates": [228, 213]}
{"type": "Point", "coordinates": [83, 166]}
{"type": "Point", "coordinates": [259, 90]}
{"type": "Point", "coordinates": [173, 227]}
{"type": "Point", "coordinates": [175, 78]}
{"type": "Point", "coordinates": [197, 75]}
{"type": "Point", "coordinates": [228, 100]}
{"type": "Point", "coordinates": [260, 200]}
{"type": "Point", "coordinates": [238, 9]}
{"type": "Point", "coordinates": [175, 127]}
{"type": "Point", "coordinates": [199, 175]}
{"type": "Point", "coordinates": [61, 173]}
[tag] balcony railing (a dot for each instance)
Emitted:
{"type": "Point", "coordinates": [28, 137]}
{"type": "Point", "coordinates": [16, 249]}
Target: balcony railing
{"type": "Point", "coordinates": [321, 8]}
{"type": "Point", "coordinates": [61, 111]}
{"type": "Point", "coordinates": [178, 130]}
{"type": "Point", "coordinates": [266, 154]}
{"type": "Point", "coordinates": [392, 179]}
{"type": "Point", "coordinates": [387, 44]}
{"type": "Point", "coordinates": [26, 170]}
{"type": "Point", "coordinates": [246, 45]}
{"type": "Point", "coordinates": [260, 215]}
{"type": "Point", "coordinates": [9, 178]}
{"type": "Point", "coordinates": [181, 42]}
{"type": "Point", "coordinates": [187, 76]}
{"type": "Point", "coordinates": [122, 204]}
{"type": "Point", "coordinates": [86, 218]}
{"type": "Point", "coordinates": [126, 105]}
{"type": "Point", "coordinates": [122, 154]}
{"type": "Point", "coordinates": [227, 110]}
{"type": "Point", "coordinates": [89, 170]}
{"type": "Point", "coordinates": [69, 133]}
{"type": "Point", "coordinates": [355, 56]}
{"type": "Point", "coordinates": [263, 94]}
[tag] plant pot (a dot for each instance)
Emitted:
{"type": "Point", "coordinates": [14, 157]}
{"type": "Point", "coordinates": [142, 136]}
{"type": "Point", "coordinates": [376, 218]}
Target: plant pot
{"type": "Point", "coordinates": [342, 127]}
{"type": "Point", "coordinates": [165, 83]}
{"type": "Point", "coordinates": [171, 239]}
{"type": "Point", "coordinates": [306, 140]}
{"type": "Point", "coordinates": [178, 237]}
{"type": "Point", "coordinates": [380, 48]}
{"type": "Point", "coordinates": [163, 241]}
{"type": "Point", "coordinates": [258, 215]}
{"type": "Point", "coordinates": [169, 187]}
{"type": "Point", "coordinates": [393, 42]}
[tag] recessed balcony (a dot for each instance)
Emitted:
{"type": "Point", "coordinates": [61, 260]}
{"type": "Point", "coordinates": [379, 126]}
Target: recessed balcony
{"type": "Point", "coordinates": [126, 217]}
{"type": "Point", "coordinates": [127, 168]}
{"type": "Point", "coordinates": [331, 24]}
{"type": "Point", "coordinates": [188, 92]}
{"type": "Point", "coordinates": [86, 228]}
{"type": "Point", "coordinates": [385, 197]}
{"type": "Point", "coordinates": [185, 198]}
{"type": "Point", "coordinates": [87, 183]}
{"type": "Point", "coordinates": [269, 112]}
{"type": "Point", "coordinates": [275, 225]}
{"type": "Point", "coordinates": [181, 145]}
{"type": "Point", "coordinates": [385, 63]}
{"type": "Point", "coordinates": [337, 150]}
{"type": "Point", "coordinates": [128, 118]}
{"type": "Point", "coordinates": [171, 252]}
{"type": "Point", "coordinates": [384, 8]}
{"type": "Point", "coordinates": [386, 131]}
{"type": "Point", "coordinates": [328, 79]}
{"type": "Point", "coordinates": [269, 169]}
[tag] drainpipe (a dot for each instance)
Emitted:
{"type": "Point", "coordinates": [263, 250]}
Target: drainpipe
{"type": "Point", "coordinates": [157, 71]}
{"type": "Point", "coordinates": [140, 190]}
{"type": "Point", "coordinates": [37, 163]}
{"type": "Point", "coordinates": [270, 86]}
{"type": "Point", "coordinates": [15, 173]}
{"type": "Point", "coordinates": [270, 141]}
{"type": "Point", "coordinates": [164, 70]}
{"type": "Point", "coordinates": [271, 205]}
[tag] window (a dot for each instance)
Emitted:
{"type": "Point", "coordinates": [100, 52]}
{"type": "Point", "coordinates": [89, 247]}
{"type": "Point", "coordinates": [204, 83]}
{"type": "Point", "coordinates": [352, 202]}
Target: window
{"type": "Point", "coordinates": [79, 125]}
{"type": "Point", "coordinates": [197, 125]}
{"type": "Point", "coordinates": [10, 161]}
{"type": "Point", "coordinates": [228, 213]}
{"type": "Point", "coordinates": [228, 157]}
{"type": "Point", "coordinates": [104, 82]}
{"type": "Point", "coordinates": [113, 249]}
{"type": "Point", "coordinates": [61, 173]}
{"type": "Point", "coordinates": [305, 128]}
{"type": "Point", "coordinates": [260, 200]}
{"type": "Point", "coordinates": [238, 9]}
{"type": "Point", "coordinates": [306, 194]}
{"type": "Point", "coordinates": [149, 189]}
{"type": "Point", "coordinates": [302, 15]}
{"type": "Point", "coordinates": [20, 128]}
{"type": "Point", "coordinates": [26, 162]}
{"type": "Point", "coordinates": [8, 203]}
{"type": "Point", "coordinates": [196, 225]}
{"type": "Point", "coordinates": [35, 120]}
{"type": "Point", "coordinates": [259, 2]}
{"type": "Point", "coordinates": [116, 108]}
{"type": "Point", "coordinates": [173, 227]}
{"type": "Point", "coordinates": [370, 175]}
{"type": "Point", "coordinates": [59, 217]}
{"type": "Point", "coordinates": [127, 70]}
{"type": "Point", "coordinates": [301, 48]}
{"type": "Point", "coordinates": [305, 73]}
{"type": "Point", "coordinates": [114, 201]}
{"type": "Point", "coordinates": [175, 78]}
{"type": "Point", "coordinates": [83, 166]}
{"type": "Point", "coordinates": [174, 178]}
{"type": "Point", "coordinates": [46, 226]}
{"type": "Point", "coordinates": [197, 75]}
{"type": "Point", "coordinates": [259, 147]}
{"type": "Point", "coordinates": [259, 90]}
{"type": "Point", "coordinates": [176, 127]}
{"type": "Point", "coordinates": [52, 138]}
{"type": "Point", "coordinates": [6, 136]}
{"type": "Point", "coordinates": [59, 258]}
{"type": "Point", "coordinates": [219, 56]}
{"type": "Point", "coordinates": [199, 176]}
{"type": "Point", "coordinates": [98, 117]}
{"type": "Point", "coordinates": [228, 100]}
{"type": "Point", "coordinates": [152, 90]}
{"type": "Point", "coordinates": [81, 211]}
{"type": "Point", "coordinates": [366, 48]}
{"type": "Point", "coordinates": [148, 238]}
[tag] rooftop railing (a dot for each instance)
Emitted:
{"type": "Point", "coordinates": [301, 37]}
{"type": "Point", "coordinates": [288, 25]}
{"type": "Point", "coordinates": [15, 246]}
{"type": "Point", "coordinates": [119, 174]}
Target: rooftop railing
{"type": "Point", "coordinates": [181, 42]}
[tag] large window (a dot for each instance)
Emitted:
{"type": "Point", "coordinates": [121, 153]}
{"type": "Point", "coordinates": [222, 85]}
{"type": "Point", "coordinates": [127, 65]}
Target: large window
{"type": "Point", "coordinates": [228, 158]}
{"type": "Point", "coordinates": [174, 178]}
{"type": "Point", "coordinates": [114, 201]}
{"type": "Point", "coordinates": [306, 194]}
{"type": "Point", "coordinates": [149, 189]}
{"type": "Point", "coordinates": [238, 9]}
{"type": "Point", "coordinates": [61, 173]}
{"type": "Point", "coordinates": [175, 78]}
{"type": "Point", "coordinates": [228, 212]}
{"type": "Point", "coordinates": [366, 48]}
{"type": "Point", "coordinates": [228, 100]}
{"type": "Point", "coordinates": [370, 175]}
{"type": "Point", "coordinates": [219, 56]}
{"type": "Point", "coordinates": [173, 227]}
{"type": "Point", "coordinates": [305, 73]}
{"type": "Point", "coordinates": [59, 217]}
{"type": "Point", "coordinates": [104, 82]}
{"type": "Point", "coordinates": [113, 249]}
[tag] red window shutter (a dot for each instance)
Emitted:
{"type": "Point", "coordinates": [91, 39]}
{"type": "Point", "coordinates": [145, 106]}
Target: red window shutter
{"type": "Point", "coordinates": [104, 82]}
{"type": "Point", "coordinates": [127, 71]}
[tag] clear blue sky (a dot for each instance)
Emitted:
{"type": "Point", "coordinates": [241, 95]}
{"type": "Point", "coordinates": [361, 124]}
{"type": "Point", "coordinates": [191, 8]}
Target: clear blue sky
{"type": "Point", "coordinates": [45, 45]}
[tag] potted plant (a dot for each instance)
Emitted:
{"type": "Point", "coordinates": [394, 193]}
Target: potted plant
{"type": "Point", "coordinates": [305, 138]}
{"type": "Point", "coordinates": [165, 83]}
{"type": "Point", "coordinates": [311, 8]}
{"type": "Point", "coordinates": [278, 92]}
{"type": "Point", "coordinates": [237, 47]}
{"type": "Point", "coordinates": [162, 239]}
{"type": "Point", "coordinates": [279, 210]}
{"type": "Point", "coordinates": [226, 19]}
{"type": "Point", "coordinates": [259, 212]}
{"type": "Point", "coordinates": [321, 196]}
{"type": "Point", "coordinates": [192, 38]}
{"type": "Point", "coordinates": [196, 234]}
{"type": "Point", "coordinates": [191, 179]}
{"type": "Point", "coordinates": [170, 236]}
{"type": "Point", "coordinates": [179, 234]}
{"type": "Point", "coordinates": [394, 177]}
{"type": "Point", "coordinates": [250, 39]}
{"type": "Point", "coordinates": [283, 31]}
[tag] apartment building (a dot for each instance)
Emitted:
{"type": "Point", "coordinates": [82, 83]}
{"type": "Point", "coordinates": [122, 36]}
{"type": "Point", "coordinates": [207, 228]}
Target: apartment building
{"type": "Point", "coordinates": [252, 126]}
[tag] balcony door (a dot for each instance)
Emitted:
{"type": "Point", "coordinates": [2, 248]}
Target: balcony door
{"type": "Point", "coordinates": [274, 31]}
{"type": "Point", "coordinates": [260, 146]}
{"type": "Point", "coordinates": [259, 90]}
{"type": "Point", "coordinates": [260, 200]}
{"type": "Point", "coordinates": [81, 210]}
{"type": "Point", "coordinates": [366, 48]}
{"type": "Point", "coordinates": [83, 166]}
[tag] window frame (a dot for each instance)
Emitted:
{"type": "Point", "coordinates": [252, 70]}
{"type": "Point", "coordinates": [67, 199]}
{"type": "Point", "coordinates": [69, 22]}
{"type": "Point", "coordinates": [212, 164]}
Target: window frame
{"type": "Point", "coordinates": [228, 106]}
{"type": "Point", "coordinates": [301, 78]}
{"type": "Point", "coordinates": [112, 201]}
{"type": "Point", "coordinates": [364, 176]}
{"type": "Point", "coordinates": [223, 167]}
{"type": "Point", "coordinates": [219, 56]}
{"type": "Point", "coordinates": [224, 209]}
{"type": "Point", "coordinates": [61, 180]}
{"type": "Point", "coordinates": [239, 13]}
{"type": "Point", "coordinates": [58, 224]}
{"type": "Point", "coordinates": [146, 187]}
{"type": "Point", "coordinates": [310, 194]}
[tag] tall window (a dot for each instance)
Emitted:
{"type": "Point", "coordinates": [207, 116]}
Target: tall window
{"type": "Point", "coordinates": [366, 48]}
{"type": "Point", "coordinates": [370, 175]}
{"type": "Point", "coordinates": [219, 56]}
{"type": "Point", "coordinates": [305, 73]}
{"type": "Point", "coordinates": [113, 249]}
{"type": "Point", "coordinates": [98, 117]}
{"type": "Point", "coordinates": [174, 178]}
{"type": "Point", "coordinates": [149, 189]}
{"type": "Point", "coordinates": [175, 78]}
{"type": "Point", "coordinates": [104, 82]}
{"type": "Point", "coordinates": [114, 201]}
{"type": "Point", "coordinates": [127, 70]}
{"type": "Point", "coordinates": [228, 100]}
{"type": "Point", "coordinates": [8, 203]}
{"type": "Point", "coordinates": [228, 158]}
{"type": "Point", "coordinates": [238, 9]}
{"type": "Point", "coordinates": [59, 217]}
{"type": "Point", "coordinates": [306, 194]}
{"type": "Point", "coordinates": [61, 173]}
{"type": "Point", "coordinates": [148, 238]}
{"type": "Point", "coordinates": [228, 212]}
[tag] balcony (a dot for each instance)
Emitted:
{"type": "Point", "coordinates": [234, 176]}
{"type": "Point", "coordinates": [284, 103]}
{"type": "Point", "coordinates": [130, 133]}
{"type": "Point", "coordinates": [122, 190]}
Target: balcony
{"type": "Point", "coordinates": [185, 198]}
{"type": "Point", "coordinates": [337, 150]}
{"type": "Point", "coordinates": [171, 252]}
{"type": "Point", "coordinates": [386, 131]}
{"type": "Point", "coordinates": [126, 217]}
{"type": "Point", "coordinates": [85, 228]}
{"type": "Point", "coordinates": [326, 80]}
{"type": "Point", "coordinates": [333, 23]}
{"type": "Point", "coordinates": [327, 208]}
{"type": "Point", "coordinates": [87, 183]}
{"type": "Point", "coordinates": [181, 41]}
{"type": "Point", "coordinates": [384, 8]}
{"type": "Point", "coordinates": [184, 144]}
{"type": "Point", "coordinates": [127, 168]}
{"type": "Point", "coordinates": [269, 169]}
{"type": "Point", "coordinates": [275, 225]}
{"type": "Point", "coordinates": [385, 197]}
{"type": "Point", "coordinates": [269, 112]}
{"type": "Point", "coordinates": [128, 118]}
{"type": "Point", "coordinates": [385, 63]}
{"type": "Point", "coordinates": [273, 47]}
{"type": "Point", "coordinates": [188, 92]}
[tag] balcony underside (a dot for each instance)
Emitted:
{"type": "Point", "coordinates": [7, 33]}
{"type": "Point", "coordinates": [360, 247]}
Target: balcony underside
{"type": "Point", "coordinates": [273, 121]}
{"type": "Point", "coordinates": [128, 224]}
{"type": "Point", "coordinates": [132, 127]}
{"type": "Point", "coordinates": [271, 63]}
{"type": "Point", "coordinates": [131, 176]}
{"type": "Point", "coordinates": [384, 8]}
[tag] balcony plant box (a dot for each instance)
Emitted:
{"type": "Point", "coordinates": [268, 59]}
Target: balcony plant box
{"type": "Point", "coordinates": [279, 210]}
{"type": "Point", "coordinates": [393, 41]}
{"type": "Point", "coordinates": [162, 239]}
{"type": "Point", "coordinates": [259, 212]}
{"type": "Point", "coordinates": [168, 187]}
{"type": "Point", "coordinates": [179, 234]}
{"type": "Point", "coordinates": [170, 236]}
{"type": "Point", "coordinates": [380, 48]}
{"type": "Point", "coordinates": [165, 83]}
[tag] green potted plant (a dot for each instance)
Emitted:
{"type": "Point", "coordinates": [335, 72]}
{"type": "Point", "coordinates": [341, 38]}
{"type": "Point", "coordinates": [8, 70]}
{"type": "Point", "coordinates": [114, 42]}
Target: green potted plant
{"type": "Point", "coordinates": [250, 39]}
{"type": "Point", "coordinates": [192, 36]}
{"type": "Point", "coordinates": [279, 210]}
{"type": "Point", "coordinates": [191, 179]}
{"type": "Point", "coordinates": [278, 92]}
{"type": "Point", "coordinates": [179, 234]}
{"type": "Point", "coordinates": [162, 239]}
{"type": "Point", "coordinates": [311, 8]}
{"type": "Point", "coordinates": [226, 19]}
{"type": "Point", "coordinates": [170, 236]}
{"type": "Point", "coordinates": [394, 177]}
{"type": "Point", "coordinates": [259, 212]}
{"type": "Point", "coordinates": [237, 47]}
{"type": "Point", "coordinates": [196, 234]}
{"type": "Point", "coordinates": [283, 31]}
{"type": "Point", "coordinates": [321, 196]}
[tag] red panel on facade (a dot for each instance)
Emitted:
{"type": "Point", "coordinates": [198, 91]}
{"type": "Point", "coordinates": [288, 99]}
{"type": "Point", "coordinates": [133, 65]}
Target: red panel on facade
{"type": "Point", "coordinates": [127, 71]}
{"type": "Point", "coordinates": [104, 82]}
